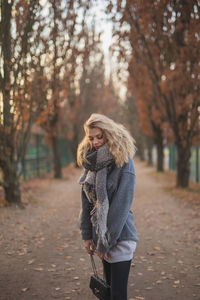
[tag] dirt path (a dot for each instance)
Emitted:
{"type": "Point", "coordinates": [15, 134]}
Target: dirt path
{"type": "Point", "coordinates": [41, 255]}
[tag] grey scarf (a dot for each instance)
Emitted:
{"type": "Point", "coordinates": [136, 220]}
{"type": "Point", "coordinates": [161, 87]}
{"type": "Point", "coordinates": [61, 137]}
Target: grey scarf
{"type": "Point", "coordinates": [94, 181]}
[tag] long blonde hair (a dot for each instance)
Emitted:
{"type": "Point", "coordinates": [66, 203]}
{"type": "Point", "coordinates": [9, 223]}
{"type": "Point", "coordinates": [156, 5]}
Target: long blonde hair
{"type": "Point", "coordinates": [121, 144]}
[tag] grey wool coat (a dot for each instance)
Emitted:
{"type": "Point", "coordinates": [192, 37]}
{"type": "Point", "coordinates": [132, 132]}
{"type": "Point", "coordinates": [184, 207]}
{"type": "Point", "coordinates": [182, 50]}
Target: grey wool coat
{"type": "Point", "coordinates": [120, 219]}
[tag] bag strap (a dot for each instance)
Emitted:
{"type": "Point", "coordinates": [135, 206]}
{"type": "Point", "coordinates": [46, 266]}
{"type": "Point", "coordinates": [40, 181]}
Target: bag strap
{"type": "Point", "coordinates": [93, 265]}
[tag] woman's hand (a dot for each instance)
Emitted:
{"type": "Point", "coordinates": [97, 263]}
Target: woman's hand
{"type": "Point", "coordinates": [89, 246]}
{"type": "Point", "coordinates": [102, 255]}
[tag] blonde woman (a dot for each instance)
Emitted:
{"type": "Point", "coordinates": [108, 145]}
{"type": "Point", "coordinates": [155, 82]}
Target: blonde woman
{"type": "Point", "coordinates": [108, 183]}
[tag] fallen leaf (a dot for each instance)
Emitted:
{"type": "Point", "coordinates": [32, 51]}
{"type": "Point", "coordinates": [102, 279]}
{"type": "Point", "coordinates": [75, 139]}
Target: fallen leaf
{"type": "Point", "coordinates": [177, 282]}
{"type": "Point", "coordinates": [10, 252]}
{"type": "Point", "coordinates": [31, 261]}
{"type": "Point", "coordinates": [39, 269]}
{"type": "Point", "coordinates": [159, 281]}
{"type": "Point", "coordinates": [180, 262]}
{"type": "Point", "coordinates": [151, 253]}
{"type": "Point", "coordinates": [163, 273]}
{"type": "Point", "coordinates": [132, 265]}
{"type": "Point", "coordinates": [197, 266]}
{"type": "Point", "coordinates": [25, 289]}
{"type": "Point", "coordinates": [156, 248]}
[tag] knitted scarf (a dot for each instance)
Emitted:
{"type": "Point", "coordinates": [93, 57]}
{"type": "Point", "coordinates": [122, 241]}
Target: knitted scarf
{"type": "Point", "coordinates": [94, 181]}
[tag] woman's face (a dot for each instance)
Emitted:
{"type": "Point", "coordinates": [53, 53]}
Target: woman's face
{"type": "Point", "coordinates": [96, 137]}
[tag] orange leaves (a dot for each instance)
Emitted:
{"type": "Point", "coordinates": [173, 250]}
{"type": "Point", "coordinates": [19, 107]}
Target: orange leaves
{"type": "Point", "coordinates": [162, 65]}
{"type": "Point", "coordinates": [43, 118]}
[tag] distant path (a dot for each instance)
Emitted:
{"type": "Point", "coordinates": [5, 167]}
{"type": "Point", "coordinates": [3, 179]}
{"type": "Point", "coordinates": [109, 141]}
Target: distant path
{"type": "Point", "coordinates": [41, 254]}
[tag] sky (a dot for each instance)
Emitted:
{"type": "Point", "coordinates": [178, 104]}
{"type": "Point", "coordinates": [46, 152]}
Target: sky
{"type": "Point", "coordinates": [105, 25]}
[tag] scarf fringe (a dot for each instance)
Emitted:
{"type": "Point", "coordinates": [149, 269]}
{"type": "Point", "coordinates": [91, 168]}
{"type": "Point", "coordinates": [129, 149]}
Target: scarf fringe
{"type": "Point", "coordinates": [99, 221]}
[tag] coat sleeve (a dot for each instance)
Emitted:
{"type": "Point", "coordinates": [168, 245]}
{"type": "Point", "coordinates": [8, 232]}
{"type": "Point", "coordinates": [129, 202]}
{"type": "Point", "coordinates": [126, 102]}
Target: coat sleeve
{"type": "Point", "coordinates": [119, 209]}
{"type": "Point", "coordinates": [84, 220]}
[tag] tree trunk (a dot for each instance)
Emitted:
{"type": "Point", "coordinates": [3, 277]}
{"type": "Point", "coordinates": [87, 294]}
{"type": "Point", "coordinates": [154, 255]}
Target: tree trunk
{"type": "Point", "coordinates": [183, 166]}
{"type": "Point", "coordinates": [74, 146]}
{"type": "Point", "coordinates": [150, 159]}
{"type": "Point", "coordinates": [141, 153]}
{"type": "Point", "coordinates": [57, 158]}
{"type": "Point", "coordinates": [158, 138]}
{"type": "Point", "coordinates": [140, 150]}
{"type": "Point", "coordinates": [149, 143]}
{"type": "Point", "coordinates": [12, 186]}
{"type": "Point", "coordinates": [160, 155]}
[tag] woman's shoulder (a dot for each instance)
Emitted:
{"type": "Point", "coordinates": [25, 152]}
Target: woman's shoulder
{"type": "Point", "coordinates": [129, 166]}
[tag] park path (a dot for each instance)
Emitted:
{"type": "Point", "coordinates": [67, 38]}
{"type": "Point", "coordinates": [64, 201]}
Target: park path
{"type": "Point", "coordinates": [41, 253]}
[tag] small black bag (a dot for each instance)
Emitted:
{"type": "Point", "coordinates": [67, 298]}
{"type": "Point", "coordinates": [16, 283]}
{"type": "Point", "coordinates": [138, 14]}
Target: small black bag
{"type": "Point", "coordinates": [98, 286]}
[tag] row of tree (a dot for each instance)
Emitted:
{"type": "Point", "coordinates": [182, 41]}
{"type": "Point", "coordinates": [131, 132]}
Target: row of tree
{"type": "Point", "coordinates": [52, 74]}
{"type": "Point", "coordinates": [159, 40]}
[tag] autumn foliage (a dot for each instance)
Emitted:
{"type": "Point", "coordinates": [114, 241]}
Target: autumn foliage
{"type": "Point", "coordinates": [52, 75]}
{"type": "Point", "coordinates": [163, 68]}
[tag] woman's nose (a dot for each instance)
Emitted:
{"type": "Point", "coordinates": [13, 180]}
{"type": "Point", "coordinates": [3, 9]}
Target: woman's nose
{"type": "Point", "coordinates": [95, 141]}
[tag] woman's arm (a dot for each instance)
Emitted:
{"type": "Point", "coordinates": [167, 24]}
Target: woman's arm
{"type": "Point", "coordinates": [84, 220]}
{"type": "Point", "coordinates": [119, 209]}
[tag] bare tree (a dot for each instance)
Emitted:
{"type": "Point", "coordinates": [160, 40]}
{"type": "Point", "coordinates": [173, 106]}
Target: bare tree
{"type": "Point", "coordinates": [20, 56]}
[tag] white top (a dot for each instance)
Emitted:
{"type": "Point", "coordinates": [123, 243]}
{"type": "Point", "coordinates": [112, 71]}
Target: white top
{"type": "Point", "coordinates": [123, 251]}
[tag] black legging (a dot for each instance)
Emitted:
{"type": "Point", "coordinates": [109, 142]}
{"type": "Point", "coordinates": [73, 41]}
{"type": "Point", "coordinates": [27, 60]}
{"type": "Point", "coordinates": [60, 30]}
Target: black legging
{"type": "Point", "coordinates": [117, 277]}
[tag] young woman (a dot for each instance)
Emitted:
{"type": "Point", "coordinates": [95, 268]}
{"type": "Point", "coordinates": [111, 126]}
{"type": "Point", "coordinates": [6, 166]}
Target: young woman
{"type": "Point", "coordinates": [108, 183]}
